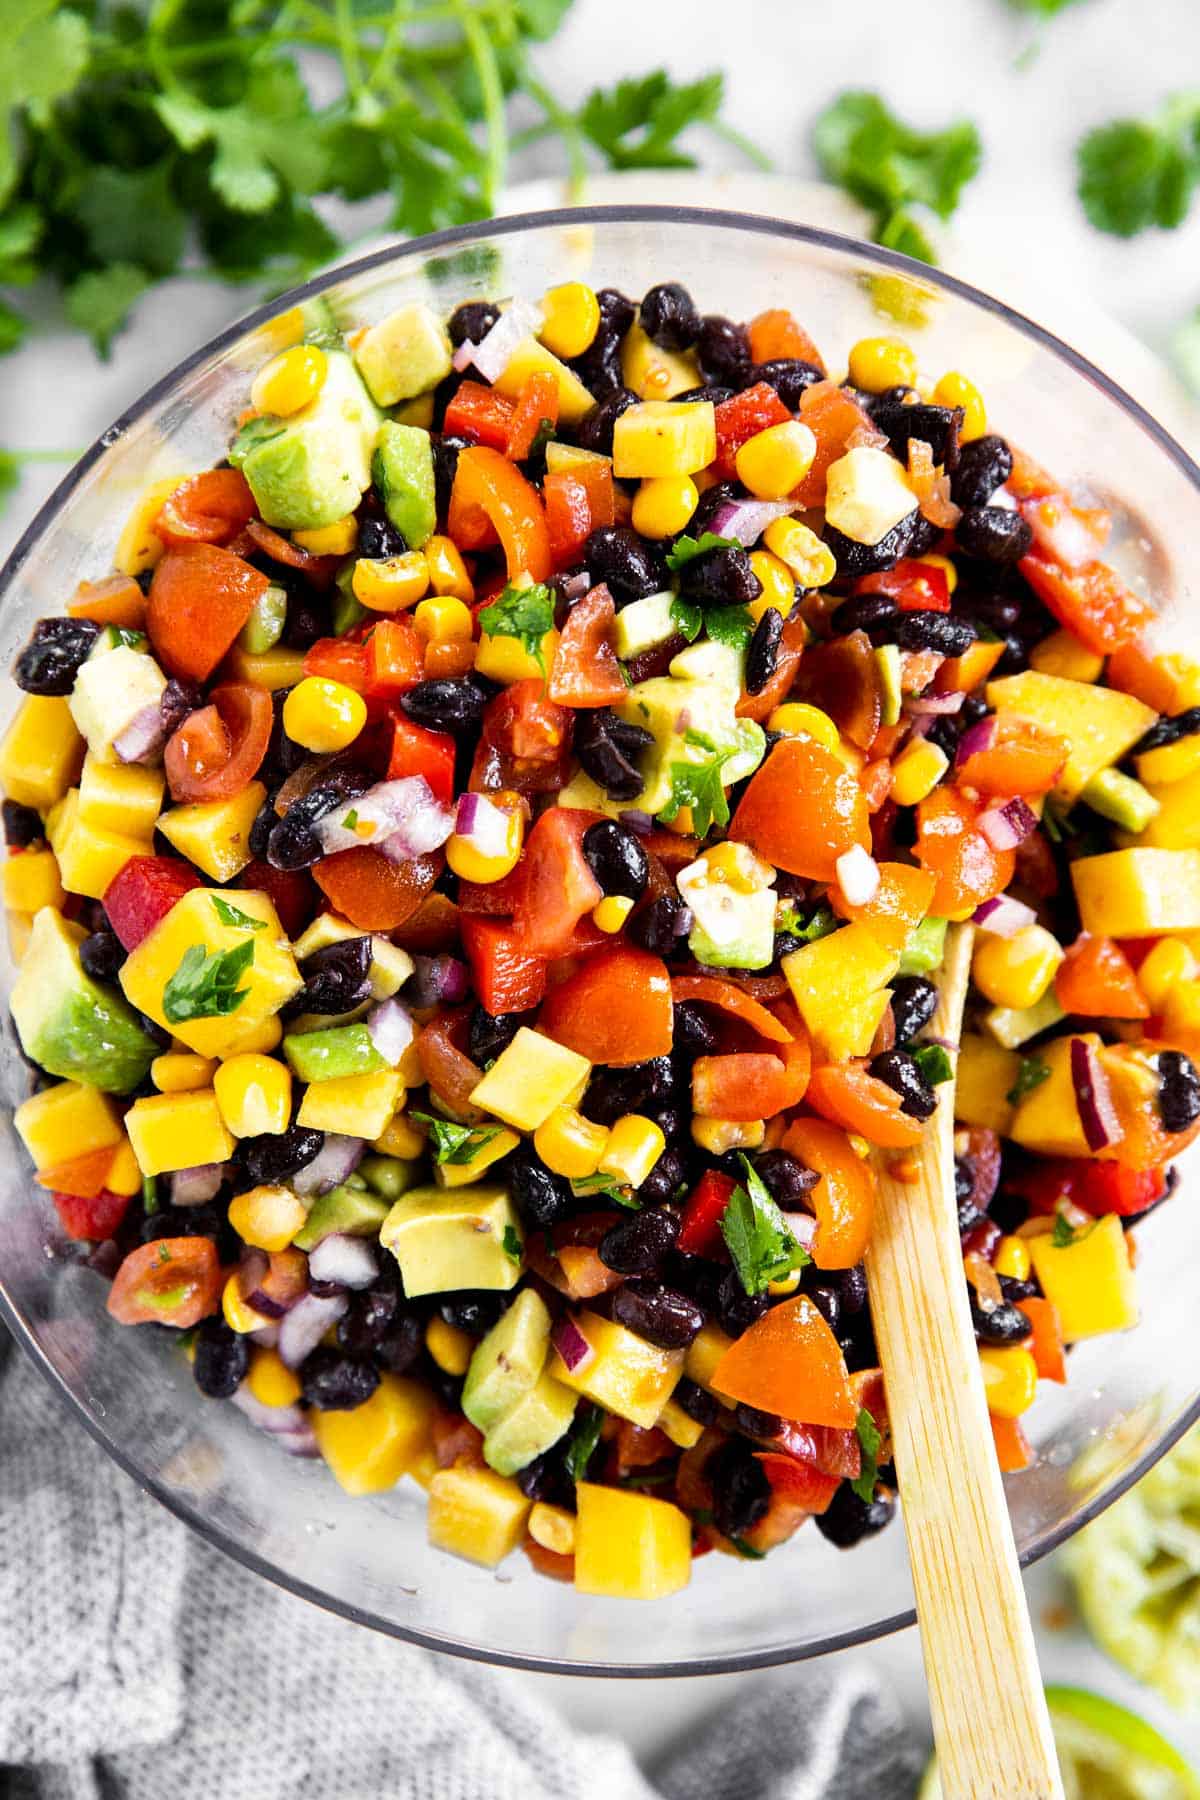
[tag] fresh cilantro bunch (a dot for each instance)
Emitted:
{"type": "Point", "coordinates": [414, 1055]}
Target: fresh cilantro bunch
{"type": "Point", "coordinates": [891, 168]}
{"type": "Point", "coordinates": [133, 137]}
{"type": "Point", "coordinates": [1134, 173]}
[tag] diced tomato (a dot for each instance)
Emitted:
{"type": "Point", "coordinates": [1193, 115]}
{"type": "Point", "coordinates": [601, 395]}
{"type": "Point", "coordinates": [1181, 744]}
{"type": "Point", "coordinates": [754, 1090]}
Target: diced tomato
{"type": "Point", "coordinates": [525, 744]}
{"type": "Point", "coordinates": [445, 1065]}
{"type": "Point", "coordinates": [290, 891]}
{"type": "Point", "coordinates": [91, 1218]}
{"type": "Point", "coordinates": [586, 671]}
{"type": "Point", "coordinates": [950, 846]}
{"type": "Point", "coordinates": [1013, 1449]}
{"type": "Point", "coordinates": [487, 483]}
{"type": "Point", "coordinates": [493, 897]}
{"type": "Point", "coordinates": [902, 899]}
{"type": "Point", "coordinates": [775, 333]}
{"type": "Point", "coordinates": [81, 1177]}
{"type": "Point", "coordinates": [844, 1198]}
{"type": "Point", "coordinates": [700, 1232]}
{"type": "Point", "coordinates": [432, 928]}
{"type": "Point", "coordinates": [416, 750]}
{"type": "Point", "coordinates": [1047, 1344]}
{"type": "Point", "coordinates": [218, 749]}
{"type": "Point", "coordinates": [963, 674]}
{"type": "Point", "coordinates": [915, 586]}
{"type": "Point", "coordinates": [749, 1085]}
{"type": "Point", "coordinates": [372, 892]}
{"type": "Point", "coordinates": [760, 706]}
{"type": "Point", "coordinates": [712, 990]}
{"type": "Point", "coordinates": [834, 418]}
{"type": "Point", "coordinates": [842, 678]}
{"type": "Point", "coordinates": [117, 600]}
{"type": "Point", "coordinates": [479, 414]}
{"type": "Point", "coordinates": [206, 509]}
{"type": "Point", "coordinates": [559, 888]}
{"type": "Point", "coordinates": [860, 1102]}
{"type": "Point", "coordinates": [549, 1562]}
{"type": "Point", "coordinates": [1097, 1187]}
{"type": "Point", "coordinates": [455, 1442]}
{"type": "Point", "coordinates": [142, 892]}
{"type": "Point", "coordinates": [1021, 758]}
{"type": "Point", "coordinates": [568, 515]}
{"type": "Point", "coordinates": [200, 598]}
{"type": "Point", "coordinates": [506, 976]}
{"type": "Point", "coordinates": [615, 1008]}
{"type": "Point", "coordinates": [1096, 979]}
{"type": "Point", "coordinates": [833, 1450]}
{"type": "Point", "coordinates": [789, 1362]}
{"type": "Point", "coordinates": [802, 810]}
{"type": "Point", "coordinates": [1092, 601]}
{"type": "Point", "coordinates": [742, 417]}
{"type": "Point", "coordinates": [259, 539]}
{"type": "Point", "coordinates": [338, 659]}
{"type": "Point", "coordinates": [798, 1481]}
{"type": "Point", "coordinates": [395, 659]}
{"type": "Point", "coordinates": [536, 406]}
{"type": "Point", "coordinates": [1064, 533]}
{"type": "Point", "coordinates": [1028, 481]}
{"type": "Point", "coordinates": [172, 1281]}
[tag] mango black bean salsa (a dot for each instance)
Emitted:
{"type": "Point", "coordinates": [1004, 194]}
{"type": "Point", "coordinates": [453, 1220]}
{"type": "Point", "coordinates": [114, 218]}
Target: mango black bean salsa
{"type": "Point", "coordinates": [476, 866]}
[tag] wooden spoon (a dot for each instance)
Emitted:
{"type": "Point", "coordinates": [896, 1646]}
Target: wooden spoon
{"type": "Point", "coordinates": [990, 1720]}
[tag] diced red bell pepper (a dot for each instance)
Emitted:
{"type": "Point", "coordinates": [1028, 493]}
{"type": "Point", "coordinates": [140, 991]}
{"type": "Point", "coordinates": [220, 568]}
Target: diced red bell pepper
{"type": "Point", "coordinates": [200, 598]}
{"type": "Point", "coordinates": [338, 659]}
{"type": "Point", "coordinates": [700, 1232]}
{"type": "Point", "coordinates": [479, 414]}
{"type": "Point", "coordinates": [91, 1218]}
{"type": "Point", "coordinates": [206, 509]}
{"type": "Point", "coordinates": [536, 405]}
{"type": "Point", "coordinates": [418, 751]}
{"type": "Point", "coordinates": [290, 891]}
{"type": "Point", "coordinates": [373, 892]}
{"type": "Point", "coordinates": [789, 1362]}
{"type": "Point", "coordinates": [506, 976]}
{"type": "Point", "coordinates": [490, 492]}
{"type": "Point", "coordinates": [798, 1481]}
{"type": "Point", "coordinates": [1047, 1342]}
{"type": "Point", "coordinates": [559, 888]}
{"type": "Point", "coordinates": [844, 1198]}
{"type": "Point", "coordinates": [585, 670]}
{"type": "Point", "coordinates": [915, 586]}
{"type": "Point", "coordinates": [742, 417]}
{"type": "Point", "coordinates": [172, 1281]}
{"type": "Point", "coordinates": [143, 892]}
{"type": "Point", "coordinates": [1013, 1449]}
{"type": "Point", "coordinates": [395, 659]}
{"type": "Point", "coordinates": [1092, 601]}
{"type": "Point", "coordinates": [860, 1102]}
{"type": "Point", "coordinates": [802, 810]}
{"type": "Point", "coordinates": [615, 1008]}
{"type": "Point", "coordinates": [1096, 980]}
{"type": "Point", "coordinates": [493, 897]}
{"type": "Point", "coordinates": [568, 515]}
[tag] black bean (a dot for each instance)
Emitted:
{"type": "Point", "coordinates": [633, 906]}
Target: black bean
{"type": "Point", "coordinates": [993, 534]}
{"type": "Point", "coordinates": [914, 1002]}
{"type": "Point", "coordinates": [445, 466]}
{"type": "Point", "coordinates": [847, 1519]}
{"type": "Point", "coordinates": [629, 566]}
{"type": "Point", "coordinates": [1001, 1324]}
{"type": "Point", "coordinates": [851, 1288]}
{"type": "Point", "coordinates": [153, 1029]}
{"type": "Point", "coordinates": [102, 955]}
{"type": "Point", "coordinates": [694, 1035]}
{"type": "Point", "coordinates": [724, 350]}
{"type": "Point", "coordinates": [451, 705]}
{"type": "Point", "coordinates": [659, 1314]}
{"type": "Point", "coordinates": [335, 1383]}
{"type": "Point", "coordinates": [472, 1310]}
{"type": "Point", "coordinates": [546, 1479]}
{"type": "Point", "coordinates": [265, 821]}
{"type": "Point", "coordinates": [709, 505]}
{"type": "Point", "coordinates": [612, 1093]}
{"type": "Point", "coordinates": [54, 655]}
{"type": "Point", "coordinates": [969, 1216]}
{"type": "Point", "coordinates": [756, 1423]}
{"type": "Point", "coordinates": [659, 927]}
{"type": "Point", "coordinates": [854, 559]}
{"type": "Point", "coordinates": [599, 367]}
{"type": "Point", "coordinates": [616, 859]}
{"type": "Point", "coordinates": [762, 652]}
{"type": "Point", "coordinates": [1169, 730]}
{"type": "Point", "coordinates": [863, 613]}
{"type": "Point", "coordinates": [788, 376]}
{"type": "Point", "coordinates": [937, 426]}
{"type": "Point", "coordinates": [293, 844]}
{"type": "Point", "coordinates": [828, 1303]}
{"type": "Point", "coordinates": [367, 1320]}
{"type": "Point", "coordinates": [595, 429]}
{"type": "Point", "coordinates": [608, 750]}
{"type": "Point", "coordinates": [707, 390]}
{"type": "Point", "coordinates": [490, 1033]}
{"type": "Point", "coordinates": [337, 978]}
{"type": "Point", "coordinates": [1016, 1291]}
{"type": "Point", "coordinates": [638, 1244]}
{"type": "Point", "coordinates": [984, 465]}
{"type": "Point", "coordinates": [541, 1197]}
{"type": "Point", "coordinates": [307, 620]}
{"type": "Point", "coordinates": [696, 1402]}
{"type": "Point", "coordinates": [221, 1361]}
{"type": "Point", "coordinates": [270, 1159]}
{"type": "Point", "coordinates": [22, 826]}
{"type": "Point", "coordinates": [669, 317]}
{"type": "Point", "coordinates": [1179, 1090]}
{"type": "Point", "coordinates": [929, 631]}
{"type": "Point", "coordinates": [923, 534]}
{"type": "Point", "coordinates": [740, 1488]}
{"type": "Point", "coordinates": [471, 321]}
{"type": "Point", "coordinates": [902, 1073]}
{"type": "Point", "coordinates": [721, 578]}
{"type": "Point", "coordinates": [401, 1347]}
{"type": "Point", "coordinates": [379, 538]}
{"type": "Point", "coordinates": [786, 1178]}
{"type": "Point", "coordinates": [667, 1176]}
{"type": "Point", "coordinates": [736, 1309]}
{"type": "Point", "coordinates": [672, 1121]}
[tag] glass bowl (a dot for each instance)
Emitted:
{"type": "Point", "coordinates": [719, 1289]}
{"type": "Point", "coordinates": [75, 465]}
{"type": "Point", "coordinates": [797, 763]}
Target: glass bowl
{"type": "Point", "coordinates": [1129, 1398]}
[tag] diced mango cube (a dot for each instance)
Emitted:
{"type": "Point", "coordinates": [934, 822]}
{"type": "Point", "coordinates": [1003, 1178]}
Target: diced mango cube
{"type": "Point", "coordinates": [1176, 824]}
{"type": "Point", "coordinates": [630, 1546]}
{"type": "Point", "coordinates": [1090, 1281]}
{"type": "Point", "coordinates": [354, 1105]}
{"type": "Point", "coordinates": [370, 1447]}
{"type": "Point", "coordinates": [625, 1373]}
{"type": "Point", "coordinates": [41, 753]}
{"type": "Point", "coordinates": [531, 358]}
{"type": "Point", "coordinates": [1138, 893]}
{"type": "Point", "coordinates": [1062, 654]}
{"type": "Point", "coordinates": [1168, 763]}
{"type": "Point", "coordinates": [1046, 1118]}
{"type": "Point", "coordinates": [662, 437]}
{"type": "Point", "coordinates": [477, 1514]}
{"type": "Point", "coordinates": [177, 1131]}
{"type": "Point", "coordinates": [652, 372]}
{"type": "Point", "coordinates": [139, 545]}
{"type": "Point", "coordinates": [89, 855]}
{"type": "Point", "coordinates": [986, 1072]}
{"type": "Point", "coordinates": [121, 797]}
{"type": "Point", "coordinates": [124, 1176]}
{"type": "Point", "coordinates": [31, 881]}
{"type": "Point", "coordinates": [529, 1079]}
{"type": "Point", "coordinates": [837, 984]}
{"type": "Point", "coordinates": [215, 834]}
{"type": "Point", "coordinates": [65, 1121]}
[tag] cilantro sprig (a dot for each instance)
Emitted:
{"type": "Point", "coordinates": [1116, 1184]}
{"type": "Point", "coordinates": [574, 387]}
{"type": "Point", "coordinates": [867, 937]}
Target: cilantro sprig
{"type": "Point", "coordinates": [233, 915]}
{"type": "Point", "coordinates": [699, 785]}
{"type": "Point", "coordinates": [453, 1143]}
{"type": "Point", "coordinates": [686, 549]}
{"type": "Point", "coordinates": [609, 1188]}
{"type": "Point", "coordinates": [205, 985]}
{"type": "Point", "coordinates": [892, 169]}
{"type": "Point", "coordinates": [1135, 173]}
{"type": "Point", "coordinates": [1030, 1074]}
{"type": "Point", "coordinates": [581, 1445]}
{"type": "Point", "coordinates": [757, 1235]}
{"type": "Point", "coordinates": [869, 1441]}
{"type": "Point", "coordinates": [526, 614]}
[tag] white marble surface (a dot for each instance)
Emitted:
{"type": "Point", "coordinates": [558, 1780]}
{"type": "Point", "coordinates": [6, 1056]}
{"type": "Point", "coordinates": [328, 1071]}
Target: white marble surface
{"type": "Point", "coordinates": [933, 59]}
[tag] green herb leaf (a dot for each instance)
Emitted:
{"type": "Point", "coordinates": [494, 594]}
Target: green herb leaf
{"type": "Point", "coordinates": [1031, 1074]}
{"type": "Point", "coordinates": [869, 1440]}
{"type": "Point", "coordinates": [687, 618]}
{"type": "Point", "coordinates": [351, 819]}
{"type": "Point", "coordinates": [818, 925]}
{"type": "Point", "coordinates": [585, 1435]}
{"type": "Point", "coordinates": [1134, 173]}
{"type": "Point", "coordinates": [757, 1235]}
{"type": "Point", "coordinates": [268, 139]}
{"type": "Point", "coordinates": [511, 1244]}
{"type": "Point", "coordinates": [610, 1188]}
{"type": "Point", "coordinates": [890, 167]}
{"type": "Point", "coordinates": [100, 301]}
{"type": "Point", "coordinates": [730, 625]}
{"type": "Point", "coordinates": [934, 1064]}
{"type": "Point", "coordinates": [45, 53]}
{"type": "Point", "coordinates": [526, 614]}
{"type": "Point", "coordinates": [1046, 9]}
{"type": "Point", "coordinates": [686, 549]}
{"type": "Point", "coordinates": [205, 985]}
{"type": "Point", "coordinates": [149, 1194]}
{"type": "Point", "coordinates": [637, 123]}
{"type": "Point", "coordinates": [453, 1143]}
{"type": "Point", "coordinates": [233, 915]}
{"type": "Point", "coordinates": [746, 1549]}
{"type": "Point", "coordinates": [698, 785]}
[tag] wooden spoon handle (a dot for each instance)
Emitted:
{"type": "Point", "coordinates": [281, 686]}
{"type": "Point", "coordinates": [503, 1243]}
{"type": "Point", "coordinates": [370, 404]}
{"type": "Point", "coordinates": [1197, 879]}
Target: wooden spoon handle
{"type": "Point", "coordinates": [990, 1719]}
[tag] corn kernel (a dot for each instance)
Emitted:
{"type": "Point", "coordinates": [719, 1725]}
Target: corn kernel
{"type": "Point", "coordinates": [323, 715]}
{"type": "Point", "coordinates": [612, 912]}
{"type": "Point", "coordinates": [237, 1314]}
{"type": "Point", "coordinates": [1062, 654]}
{"type": "Point", "coordinates": [811, 561]}
{"type": "Point", "coordinates": [1016, 971]}
{"type": "Point", "coordinates": [917, 771]}
{"type": "Point", "coordinates": [254, 1094]}
{"type": "Point", "coordinates": [450, 1348]}
{"type": "Point", "coordinates": [943, 563]}
{"type": "Point", "coordinates": [1012, 1259]}
{"type": "Point", "coordinates": [494, 848]}
{"type": "Point", "coordinates": [718, 1135]}
{"type": "Point", "coordinates": [1009, 1379]}
{"type": "Point", "coordinates": [1169, 963]}
{"type": "Point", "coordinates": [387, 584]}
{"type": "Point", "coordinates": [290, 380]}
{"type": "Point", "coordinates": [444, 620]}
{"type": "Point", "coordinates": [786, 1284]}
{"type": "Point", "coordinates": [1170, 762]}
{"type": "Point", "coordinates": [447, 570]}
{"type": "Point", "coordinates": [31, 881]}
{"type": "Point", "coordinates": [955, 390]}
{"type": "Point", "coordinates": [879, 363]}
{"type": "Point", "coordinates": [569, 1144]}
{"type": "Point", "coordinates": [778, 585]}
{"type": "Point", "coordinates": [634, 1146]}
{"type": "Point", "coordinates": [776, 460]}
{"type": "Point", "coordinates": [337, 539]}
{"type": "Point", "coordinates": [797, 719]}
{"type": "Point", "coordinates": [570, 319]}
{"type": "Point", "coordinates": [178, 1071]}
{"type": "Point", "coordinates": [267, 1218]}
{"type": "Point", "coordinates": [270, 1380]}
{"type": "Point", "coordinates": [401, 1137]}
{"type": "Point", "coordinates": [553, 1527]}
{"type": "Point", "coordinates": [663, 504]}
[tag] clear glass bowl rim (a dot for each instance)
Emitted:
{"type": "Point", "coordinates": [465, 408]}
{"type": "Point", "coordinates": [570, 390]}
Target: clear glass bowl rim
{"type": "Point", "coordinates": [513, 225]}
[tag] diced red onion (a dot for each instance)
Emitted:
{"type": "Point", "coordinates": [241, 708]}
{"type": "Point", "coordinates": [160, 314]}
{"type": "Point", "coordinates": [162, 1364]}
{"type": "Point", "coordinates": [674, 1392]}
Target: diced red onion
{"type": "Point", "coordinates": [803, 1228]}
{"type": "Point", "coordinates": [483, 822]}
{"type": "Point", "coordinates": [288, 1425]}
{"type": "Point", "coordinates": [407, 820]}
{"type": "Point", "coordinates": [571, 1344]}
{"type": "Point", "coordinates": [348, 1261]}
{"type": "Point", "coordinates": [975, 738]}
{"type": "Point", "coordinates": [638, 822]}
{"type": "Point", "coordinates": [143, 738]}
{"type": "Point", "coordinates": [1003, 916]}
{"type": "Point", "coordinates": [492, 355]}
{"type": "Point", "coordinates": [746, 520]}
{"type": "Point", "coordinates": [574, 587]}
{"type": "Point", "coordinates": [338, 1157]}
{"type": "Point", "coordinates": [1093, 1097]}
{"type": "Point", "coordinates": [306, 1324]}
{"type": "Point", "coordinates": [390, 1029]}
{"type": "Point", "coordinates": [464, 356]}
{"type": "Point", "coordinates": [857, 875]}
{"type": "Point", "coordinates": [436, 978]}
{"type": "Point", "coordinates": [265, 1336]}
{"type": "Point", "coordinates": [921, 706]}
{"type": "Point", "coordinates": [192, 1187]}
{"type": "Point", "coordinates": [1006, 826]}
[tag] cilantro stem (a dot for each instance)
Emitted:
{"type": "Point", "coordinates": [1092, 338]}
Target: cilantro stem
{"type": "Point", "coordinates": [560, 120]}
{"type": "Point", "coordinates": [348, 46]}
{"type": "Point", "coordinates": [740, 142]}
{"type": "Point", "coordinates": [492, 89]}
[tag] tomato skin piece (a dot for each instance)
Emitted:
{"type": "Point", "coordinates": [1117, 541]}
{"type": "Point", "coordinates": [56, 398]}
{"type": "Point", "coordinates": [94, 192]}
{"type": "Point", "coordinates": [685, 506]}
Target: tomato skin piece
{"type": "Point", "coordinates": [789, 1362]}
{"type": "Point", "coordinates": [415, 750]}
{"type": "Point", "coordinates": [615, 1009]}
{"type": "Point", "coordinates": [505, 975]}
{"type": "Point", "coordinates": [585, 670]}
{"type": "Point", "coordinates": [802, 809]}
{"type": "Point", "coordinates": [143, 892]}
{"type": "Point", "coordinates": [218, 750]}
{"type": "Point", "coordinates": [1092, 601]}
{"type": "Point", "coordinates": [172, 1281]}
{"type": "Point", "coordinates": [844, 1198]}
{"type": "Point", "coordinates": [91, 1219]}
{"type": "Point", "coordinates": [951, 847]}
{"type": "Point", "coordinates": [477, 412]}
{"type": "Point", "coordinates": [486, 482]}
{"type": "Point", "coordinates": [1046, 1347]}
{"type": "Point", "coordinates": [206, 509]}
{"type": "Point", "coordinates": [199, 599]}
{"type": "Point", "coordinates": [559, 887]}
{"type": "Point", "coordinates": [1096, 979]}
{"type": "Point", "coordinates": [742, 417]}
{"type": "Point", "coordinates": [260, 539]}
{"type": "Point", "coordinates": [372, 892]}
{"type": "Point", "coordinates": [798, 1481]}
{"type": "Point", "coordinates": [536, 405]}
{"type": "Point", "coordinates": [700, 1232]}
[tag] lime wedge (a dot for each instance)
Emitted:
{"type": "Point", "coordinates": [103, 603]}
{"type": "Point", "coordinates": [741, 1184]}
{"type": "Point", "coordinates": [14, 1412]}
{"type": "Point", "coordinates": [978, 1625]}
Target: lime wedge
{"type": "Point", "coordinates": [1106, 1753]}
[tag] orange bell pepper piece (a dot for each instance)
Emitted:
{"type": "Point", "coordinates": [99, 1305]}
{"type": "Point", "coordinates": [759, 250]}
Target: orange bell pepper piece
{"type": "Point", "coordinates": [849, 1096]}
{"type": "Point", "coordinates": [487, 487]}
{"type": "Point", "coordinates": [968, 870]}
{"type": "Point", "coordinates": [1013, 1449]}
{"type": "Point", "coordinates": [1022, 758]}
{"type": "Point", "coordinates": [1047, 1345]}
{"type": "Point", "coordinates": [537, 405]}
{"type": "Point", "coordinates": [775, 333]}
{"type": "Point", "coordinates": [903, 898]}
{"type": "Point", "coordinates": [83, 1176]}
{"type": "Point", "coordinates": [802, 810]}
{"type": "Point", "coordinates": [789, 1362]}
{"type": "Point", "coordinates": [615, 1009]}
{"type": "Point", "coordinates": [844, 1198]}
{"type": "Point", "coordinates": [1096, 979]}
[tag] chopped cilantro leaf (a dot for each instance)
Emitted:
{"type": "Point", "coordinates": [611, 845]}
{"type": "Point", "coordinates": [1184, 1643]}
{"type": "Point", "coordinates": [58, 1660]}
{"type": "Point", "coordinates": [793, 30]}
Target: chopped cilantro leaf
{"type": "Point", "coordinates": [730, 625]}
{"type": "Point", "coordinates": [869, 1441]}
{"type": "Point", "coordinates": [1065, 1234]}
{"type": "Point", "coordinates": [350, 820]}
{"type": "Point", "coordinates": [756, 1232]}
{"type": "Point", "coordinates": [1031, 1074]}
{"type": "Point", "coordinates": [686, 549]}
{"type": "Point", "coordinates": [512, 1245]}
{"type": "Point", "coordinates": [934, 1064]}
{"type": "Point", "coordinates": [205, 986]}
{"type": "Point", "coordinates": [585, 1435]}
{"type": "Point", "coordinates": [687, 617]}
{"type": "Point", "coordinates": [1134, 173]}
{"type": "Point", "coordinates": [526, 614]}
{"type": "Point", "coordinates": [456, 1143]}
{"type": "Point", "coordinates": [698, 785]}
{"type": "Point", "coordinates": [818, 925]}
{"type": "Point", "coordinates": [609, 1188]}
{"type": "Point", "coordinates": [233, 915]}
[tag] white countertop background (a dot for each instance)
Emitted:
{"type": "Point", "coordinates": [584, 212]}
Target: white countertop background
{"type": "Point", "coordinates": [933, 60]}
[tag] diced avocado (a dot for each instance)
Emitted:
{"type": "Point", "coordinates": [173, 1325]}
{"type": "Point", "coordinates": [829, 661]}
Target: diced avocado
{"type": "Point", "coordinates": [925, 949]}
{"type": "Point", "coordinates": [1120, 798]}
{"type": "Point", "coordinates": [330, 1055]}
{"type": "Point", "coordinates": [506, 1363]}
{"type": "Point", "coordinates": [1012, 1025]}
{"type": "Point", "coordinates": [404, 354]}
{"type": "Point", "coordinates": [71, 1025]}
{"type": "Point", "coordinates": [390, 1176]}
{"type": "Point", "coordinates": [268, 616]}
{"type": "Point", "coordinates": [402, 468]}
{"type": "Point", "coordinates": [733, 928]}
{"type": "Point", "coordinates": [350, 1210]}
{"type": "Point", "coordinates": [687, 712]}
{"type": "Point", "coordinates": [866, 494]}
{"type": "Point", "coordinates": [644, 623]}
{"type": "Point", "coordinates": [114, 637]}
{"type": "Point", "coordinates": [538, 1419]}
{"type": "Point", "coordinates": [719, 665]}
{"type": "Point", "coordinates": [345, 608]}
{"type": "Point", "coordinates": [444, 1238]}
{"type": "Point", "coordinates": [890, 670]}
{"type": "Point", "coordinates": [318, 467]}
{"type": "Point", "coordinates": [320, 323]}
{"type": "Point", "coordinates": [1101, 723]}
{"type": "Point", "coordinates": [110, 692]}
